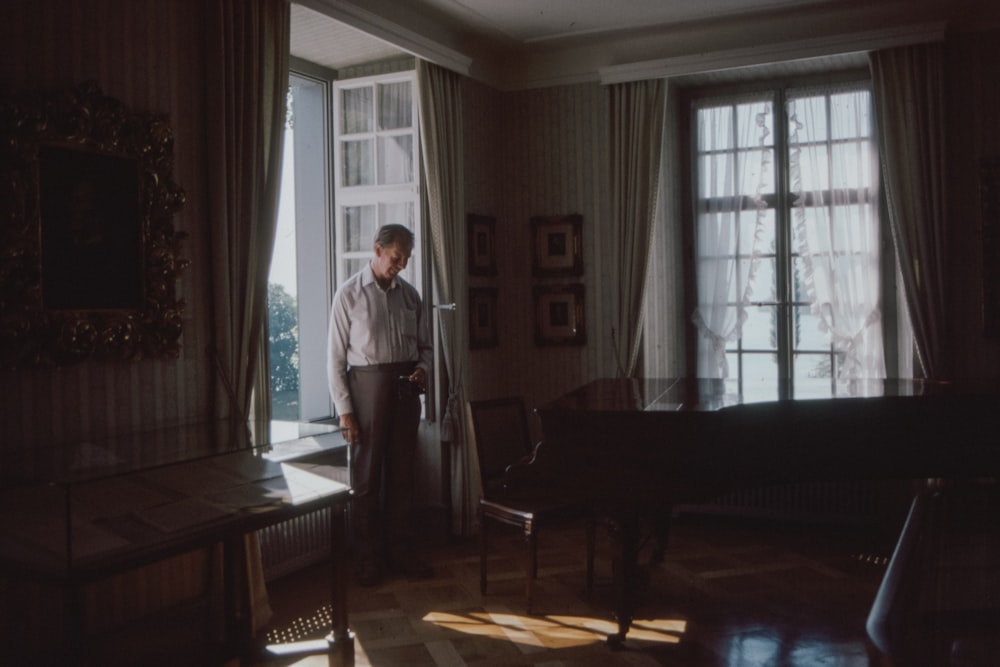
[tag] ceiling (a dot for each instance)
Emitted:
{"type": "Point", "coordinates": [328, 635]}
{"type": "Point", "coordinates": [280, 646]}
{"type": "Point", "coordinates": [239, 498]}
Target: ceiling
{"type": "Point", "coordinates": [531, 43]}
{"type": "Point", "coordinates": [512, 24]}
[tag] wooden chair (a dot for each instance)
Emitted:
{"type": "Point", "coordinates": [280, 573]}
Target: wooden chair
{"type": "Point", "coordinates": [503, 440]}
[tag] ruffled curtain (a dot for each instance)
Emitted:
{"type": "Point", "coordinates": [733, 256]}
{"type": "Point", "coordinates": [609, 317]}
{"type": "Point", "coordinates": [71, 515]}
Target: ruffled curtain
{"type": "Point", "coordinates": [247, 56]}
{"type": "Point", "coordinates": [637, 109]}
{"type": "Point", "coordinates": [442, 145]}
{"type": "Point", "coordinates": [832, 161]}
{"type": "Point", "coordinates": [730, 221]}
{"type": "Point", "coordinates": [908, 87]}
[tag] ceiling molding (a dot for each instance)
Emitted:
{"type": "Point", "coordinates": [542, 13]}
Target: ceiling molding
{"type": "Point", "coordinates": [392, 33]}
{"type": "Point", "coordinates": [772, 53]}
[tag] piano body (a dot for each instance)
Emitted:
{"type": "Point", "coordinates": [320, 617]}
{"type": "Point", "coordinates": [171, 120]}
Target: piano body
{"type": "Point", "coordinates": [637, 447]}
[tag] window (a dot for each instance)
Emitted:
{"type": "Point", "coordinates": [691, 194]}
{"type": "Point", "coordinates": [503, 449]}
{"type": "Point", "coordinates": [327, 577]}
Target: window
{"type": "Point", "coordinates": [377, 175]}
{"type": "Point", "coordinates": [788, 240]}
{"type": "Point", "coordinates": [350, 165]}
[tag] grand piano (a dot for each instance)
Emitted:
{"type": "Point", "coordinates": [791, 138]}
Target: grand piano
{"type": "Point", "coordinates": [638, 447]}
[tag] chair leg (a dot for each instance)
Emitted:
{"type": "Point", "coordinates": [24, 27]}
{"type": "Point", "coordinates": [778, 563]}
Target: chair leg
{"type": "Point", "coordinates": [591, 545]}
{"type": "Point", "coordinates": [483, 548]}
{"type": "Point", "coordinates": [532, 569]}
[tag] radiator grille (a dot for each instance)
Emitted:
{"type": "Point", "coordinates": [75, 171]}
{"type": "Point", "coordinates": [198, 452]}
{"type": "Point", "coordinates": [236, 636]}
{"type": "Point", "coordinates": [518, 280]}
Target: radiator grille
{"type": "Point", "coordinates": [294, 544]}
{"type": "Point", "coordinates": [839, 501]}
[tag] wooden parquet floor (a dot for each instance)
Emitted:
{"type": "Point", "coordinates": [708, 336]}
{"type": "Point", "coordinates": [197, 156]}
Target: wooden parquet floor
{"type": "Point", "coordinates": [730, 593]}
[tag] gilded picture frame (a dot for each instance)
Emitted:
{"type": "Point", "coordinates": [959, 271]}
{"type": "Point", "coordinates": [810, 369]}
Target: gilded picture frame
{"type": "Point", "coordinates": [557, 245]}
{"type": "Point", "coordinates": [560, 317]}
{"type": "Point", "coordinates": [91, 255]}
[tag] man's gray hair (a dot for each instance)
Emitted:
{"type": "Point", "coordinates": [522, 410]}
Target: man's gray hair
{"type": "Point", "coordinates": [390, 234]}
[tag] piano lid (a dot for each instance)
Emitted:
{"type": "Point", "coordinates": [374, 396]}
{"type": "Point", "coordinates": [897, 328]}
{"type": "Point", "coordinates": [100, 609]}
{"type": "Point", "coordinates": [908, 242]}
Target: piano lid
{"type": "Point", "coordinates": [707, 395]}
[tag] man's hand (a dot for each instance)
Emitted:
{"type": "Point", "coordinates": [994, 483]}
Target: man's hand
{"type": "Point", "coordinates": [349, 428]}
{"type": "Point", "coordinates": [419, 378]}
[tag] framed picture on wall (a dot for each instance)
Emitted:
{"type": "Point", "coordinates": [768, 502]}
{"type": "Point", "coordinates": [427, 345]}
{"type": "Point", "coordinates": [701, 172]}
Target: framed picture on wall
{"type": "Point", "coordinates": [559, 315]}
{"type": "Point", "coordinates": [481, 232]}
{"type": "Point", "coordinates": [557, 245]}
{"type": "Point", "coordinates": [483, 318]}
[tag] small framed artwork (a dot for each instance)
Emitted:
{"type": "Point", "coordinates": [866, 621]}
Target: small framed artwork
{"type": "Point", "coordinates": [483, 317]}
{"type": "Point", "coordinates": [990, 192]}
{"type": "Point", "coordinates": [481, 231]}
{"type": "Point", "coordinates": [559, 315]}
{"type": "Point", "coordinates": [557, 245]}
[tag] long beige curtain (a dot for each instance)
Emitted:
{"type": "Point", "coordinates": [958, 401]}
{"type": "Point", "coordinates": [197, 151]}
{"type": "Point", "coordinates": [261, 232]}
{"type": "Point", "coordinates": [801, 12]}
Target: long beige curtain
{"type": "Point", "coordinates": [442, 144]}
{"type": "Point", "coordinates": [637, 109]}
{"type": "Point", "coordinates": [247, 63]}
{"type": "Point", "coordinates": [908, 87]}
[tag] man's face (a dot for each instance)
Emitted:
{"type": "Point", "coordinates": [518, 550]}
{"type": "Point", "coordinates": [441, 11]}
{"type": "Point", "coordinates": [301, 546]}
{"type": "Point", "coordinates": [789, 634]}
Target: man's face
{"type": "Point", "coordinates": [390, 260]}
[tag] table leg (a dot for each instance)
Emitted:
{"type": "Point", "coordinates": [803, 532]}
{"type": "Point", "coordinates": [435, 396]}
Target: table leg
{"type": "Point", "coordinates": [340, 640]}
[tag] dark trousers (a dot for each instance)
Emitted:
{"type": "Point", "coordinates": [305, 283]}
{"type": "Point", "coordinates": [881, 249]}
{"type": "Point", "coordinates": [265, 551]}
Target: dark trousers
{"type": "Point", "coordinates": [388, 413]}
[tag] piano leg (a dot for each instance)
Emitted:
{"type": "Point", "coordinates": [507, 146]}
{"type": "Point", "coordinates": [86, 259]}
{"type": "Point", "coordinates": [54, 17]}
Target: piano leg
{"type": "Point", "coordinates": [624, 533]}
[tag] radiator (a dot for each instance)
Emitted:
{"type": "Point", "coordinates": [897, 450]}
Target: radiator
{"type": "Point", "coordinates": [836, 501]}
{"type": "Point", "coordinates": [294, 544]}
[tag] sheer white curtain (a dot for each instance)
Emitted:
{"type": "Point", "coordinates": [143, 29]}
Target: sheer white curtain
{"type": "Point", "coordinates": [833, 171]}
{"type": "Point", "coordinates": [734, 172]}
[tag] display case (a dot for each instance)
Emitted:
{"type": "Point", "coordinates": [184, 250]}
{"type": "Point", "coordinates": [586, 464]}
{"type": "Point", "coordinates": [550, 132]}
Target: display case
{"type": "Point", "coordinates": [76, 513]}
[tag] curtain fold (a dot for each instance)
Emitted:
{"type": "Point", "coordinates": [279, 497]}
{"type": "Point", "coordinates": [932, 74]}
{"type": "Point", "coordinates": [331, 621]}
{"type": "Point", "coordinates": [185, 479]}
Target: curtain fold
{"type": "Point", "coordinates": [836, 227]}
{"type": "Point", "coordinates": [247, 56]}
{"type": "Point", "coordinates": [441, 129]}
{"type": "Point", "coordinates": [730, 224]}
{"type": "Point", "coordinates": [908, 86]}
{"type": "Point", "coordinates": [248, 59]}
{"type": "Point", "coordinates": [637, 110]}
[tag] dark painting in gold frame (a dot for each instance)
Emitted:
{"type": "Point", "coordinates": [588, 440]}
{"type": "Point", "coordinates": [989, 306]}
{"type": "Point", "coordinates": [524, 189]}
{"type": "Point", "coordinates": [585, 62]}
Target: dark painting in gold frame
{"type": "Point", "coordinates": [90, 254]}
{"type": "Point", "coordinates": [559, 315]}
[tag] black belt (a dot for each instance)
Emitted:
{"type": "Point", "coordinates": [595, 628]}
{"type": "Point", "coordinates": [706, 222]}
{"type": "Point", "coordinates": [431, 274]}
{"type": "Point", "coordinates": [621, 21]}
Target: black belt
{"type": "Point", "coordinates": [397, 367]}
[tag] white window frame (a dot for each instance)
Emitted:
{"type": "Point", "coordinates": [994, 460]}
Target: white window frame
{"type": "Point", "coordinates": [375, 194]}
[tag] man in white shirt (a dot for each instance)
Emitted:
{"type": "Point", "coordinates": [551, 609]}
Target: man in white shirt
{"type": "Point", "coordinates": [378, 358]}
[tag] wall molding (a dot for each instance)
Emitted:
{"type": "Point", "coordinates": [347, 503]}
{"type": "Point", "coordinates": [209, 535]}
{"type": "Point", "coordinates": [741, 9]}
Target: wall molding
{"type": "Point", "coordinates": [700, 63]}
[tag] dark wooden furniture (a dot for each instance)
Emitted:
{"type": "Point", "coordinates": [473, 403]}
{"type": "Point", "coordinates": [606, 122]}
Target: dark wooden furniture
{"type": "Point", "coordinates": [502, 441]}
{"type": "Point", "coordinates": [73, 515]}
{"type": "Point", "coordinates": [638, 447]}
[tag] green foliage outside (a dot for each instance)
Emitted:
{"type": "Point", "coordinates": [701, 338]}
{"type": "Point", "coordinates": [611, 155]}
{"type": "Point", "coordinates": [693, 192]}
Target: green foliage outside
{"type": "Point", "coordinates": [283, 347]}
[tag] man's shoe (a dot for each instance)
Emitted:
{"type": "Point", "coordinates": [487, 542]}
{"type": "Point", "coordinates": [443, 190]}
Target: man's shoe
{"type": "Point", "coordinates": [412, 566]}
{"type": "Point", "coordinates": [368, 574]}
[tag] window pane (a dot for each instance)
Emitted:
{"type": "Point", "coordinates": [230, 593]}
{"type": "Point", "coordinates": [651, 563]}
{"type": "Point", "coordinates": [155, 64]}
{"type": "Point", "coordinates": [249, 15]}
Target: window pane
{"type": "Point", "coordinates": [764, 280]}
{"type": "Point", "coordinates": [715, 129]}
{"type": "Point", "coordinates": [851, 115]}
{"type": "Point", "coordinates": [760, 377]}
{"type": "Point", "coordinates": [756, 169]}
{"type": "Point", "coordinates": [853, 164]}
{"type": "Point", "coordinates": [359, 228]}
{"type": "Point", "coordinates": [814, 168]}
{"type": "Point", "coordinates": [807, 331]}
{"type": "Point", "coordinates": [760, 330]}
{"type": "Point", "coordinates": [395, 159]}
{"type": "Point", "coordinates": [754, 125]}
{"type": "Point", "coordinates": [807, 118]}
{"type": "Point", "coordinates": [400, 213]}
{"type": "Point", "coordinates": [757, 232]}
{"type": "Point", "coordinates": [354, 264]}
{"type": "Point", "coordinates": [357, 162]}
{"type": "Point", "coordinates": [813, 375]}
{"type": "Point", "coordinates": [395, 106]}
{"type": "Point", "coordinates": [356, 110]}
